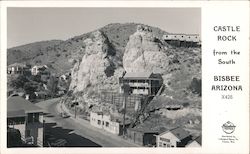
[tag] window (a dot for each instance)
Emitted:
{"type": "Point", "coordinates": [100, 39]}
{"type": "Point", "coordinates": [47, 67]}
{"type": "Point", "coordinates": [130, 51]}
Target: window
{"type": "Point", "coordinates": [99, 122]}
{"type": "Point", "coordinates": [164, 144]}
{"type": "Point", "coordinates": [160, 144]}
{"type": "Point", "coordinates": [107, 124]}
{"type": "Point", "coordinates": [33, 117]}
{"type": "Point", "coordinates": [164, 139]}
{"type": "Point", "coordinates": [36, 117]}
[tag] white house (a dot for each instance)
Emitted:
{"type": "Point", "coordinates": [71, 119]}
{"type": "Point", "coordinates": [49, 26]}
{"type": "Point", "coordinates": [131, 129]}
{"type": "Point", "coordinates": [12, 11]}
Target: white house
{"type": "Point", "coordinates": [103, 121]}
{"type": "Point", "coordinates": [36, 69]}
{"type": "Point", "coordinates": [107, 122]}
{"type": "Point", "coordinates": [182, 37]}
{"type": "Point", "coordinates": [176, 137]}
{"type": "Point", "coordinates": [18, 68]}
{"type": "Point", "coordinates": [27, 118]}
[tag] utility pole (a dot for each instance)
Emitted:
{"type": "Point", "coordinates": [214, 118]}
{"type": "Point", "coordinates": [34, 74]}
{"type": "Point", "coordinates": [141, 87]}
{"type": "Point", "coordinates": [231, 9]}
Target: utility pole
{"type": "Point", "coordinates": [74, 105]}
{"type": "Point", "coordinates": [75, 111]}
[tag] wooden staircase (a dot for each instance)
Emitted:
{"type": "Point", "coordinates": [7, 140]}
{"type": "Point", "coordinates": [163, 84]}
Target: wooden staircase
{"type": "Point", "coordinates": [147, 100]}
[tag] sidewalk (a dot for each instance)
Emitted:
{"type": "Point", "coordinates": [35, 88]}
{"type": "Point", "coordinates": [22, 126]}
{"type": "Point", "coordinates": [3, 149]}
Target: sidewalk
{"type": "Point", "coordinates": [97, 135]}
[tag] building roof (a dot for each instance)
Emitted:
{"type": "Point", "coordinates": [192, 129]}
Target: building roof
{"type": "Point", "coordinates": [15, 113]}
{"type": "Point", "coordinates": [138, 75]}
{"type": "Point", "coordinates": [17, 64]}
{"type": "Point", "coordinates": [195, 139]}
{"type": "Point", "coordinates": [178, 132]}
{"type": "Point", "coordinates": [198, 139]}
{"type": "Point", "coordinates": [17, 103]}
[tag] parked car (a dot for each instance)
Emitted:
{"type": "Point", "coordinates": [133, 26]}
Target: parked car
{"type": "Point", "coordinates": [65, 115]}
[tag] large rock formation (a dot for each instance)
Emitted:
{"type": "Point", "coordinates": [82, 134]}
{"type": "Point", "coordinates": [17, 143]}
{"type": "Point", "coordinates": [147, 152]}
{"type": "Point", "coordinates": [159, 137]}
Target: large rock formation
{"type": "Point", "coordinates": [96, 64]}
{"type": "Point", "coordinates": [145, 52]}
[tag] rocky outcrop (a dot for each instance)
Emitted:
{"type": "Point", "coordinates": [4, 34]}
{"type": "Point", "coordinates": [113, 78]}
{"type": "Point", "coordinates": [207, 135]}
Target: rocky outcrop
{"type": "Point", "coordinates": [145, 52]}
{"type": "Point", "coordinates": [96, 64]}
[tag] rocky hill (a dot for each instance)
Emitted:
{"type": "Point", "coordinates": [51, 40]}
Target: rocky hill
{"type": "Point", "coordinates": [97, 59]}
{"type": "Point", "coordinates": [62, 55]}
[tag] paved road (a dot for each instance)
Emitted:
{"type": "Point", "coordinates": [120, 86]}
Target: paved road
{"type": "Point", "coordinates": [78, 133]}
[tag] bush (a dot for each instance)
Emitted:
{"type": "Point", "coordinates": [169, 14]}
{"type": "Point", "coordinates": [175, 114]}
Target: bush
{"type": "Point", "coordinates": [195, 86]}
{"type": "Point", "coordinates": [19, 82]}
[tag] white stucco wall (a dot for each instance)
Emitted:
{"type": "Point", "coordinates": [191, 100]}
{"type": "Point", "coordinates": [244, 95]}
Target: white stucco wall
{"type": "Point", "coordinates": [113, 127]}
{"type": "Point", "coordinates": [173, 139]}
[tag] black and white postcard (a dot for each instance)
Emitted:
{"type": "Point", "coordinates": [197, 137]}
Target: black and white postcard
{"type": "Point", "coordinates": [125, 77]}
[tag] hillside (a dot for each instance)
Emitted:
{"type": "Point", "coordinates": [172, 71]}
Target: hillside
{"type": "Point", "coordinates": [97, 59]}
{"type": "Point", "coordinates": [62, 55]}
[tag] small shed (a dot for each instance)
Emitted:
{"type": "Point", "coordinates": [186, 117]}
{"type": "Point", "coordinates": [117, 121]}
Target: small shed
{"type": "Point", "coordinates": [142, 137]}
{"type": "Point", "coordinates": [177, 137]}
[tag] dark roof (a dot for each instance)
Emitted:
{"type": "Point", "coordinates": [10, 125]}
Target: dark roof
{"type": "Point", "coordinates": [137, 75]}
{"type": "Point", "coordinates": [17, 103]}
{"type": "Point", "coordinates": [178, 132]}
{"type": "Point", "coordinates": [17, 113]}
{"type": "Point", "coordinates": [198, 139]}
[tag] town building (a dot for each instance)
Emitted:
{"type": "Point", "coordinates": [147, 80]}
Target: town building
{"type": "Point", "coordinates": [183, 40]}
{"type": "Point", "coordinates": [144, 83]}
{"type": "Point", "coordinates": [142, 137]}
{"type": "Point", "coordinates": [107, 122]}
{"type": "Point", "coordinates": [195, 142]}
{"type": "Point", "coordinates": [27, 118]}
{"type": "Point", "coordinates": [18, 69]}
{"type": "Point", "coordinates": [176, 137]}
{"type": "Point", "coordinates": [35, 70]}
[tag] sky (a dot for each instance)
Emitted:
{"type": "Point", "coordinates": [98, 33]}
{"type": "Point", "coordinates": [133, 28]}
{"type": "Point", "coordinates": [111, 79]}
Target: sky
{"type": "Point", "coordinates": [27, 25]}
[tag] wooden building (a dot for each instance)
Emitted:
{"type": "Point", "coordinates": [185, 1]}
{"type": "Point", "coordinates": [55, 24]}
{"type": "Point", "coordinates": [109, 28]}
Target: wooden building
{"type": "Point", "coordinates": [27, 118]}
{"type": "Point", "coordinates": [183, 40]}
{"type": "Point", "coordinates": [141, 83]}
{"type": "Point", "coordinates": [142, 137]}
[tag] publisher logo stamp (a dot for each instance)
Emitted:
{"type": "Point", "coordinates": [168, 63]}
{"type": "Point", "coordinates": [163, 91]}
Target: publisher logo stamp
{"type": "Point", "coordinates": [228, 127]}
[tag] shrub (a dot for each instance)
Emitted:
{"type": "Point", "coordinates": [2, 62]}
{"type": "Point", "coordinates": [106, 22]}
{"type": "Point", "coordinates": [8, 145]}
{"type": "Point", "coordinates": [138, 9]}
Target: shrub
{"type": "Point", "coordinates": [195, 86]}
